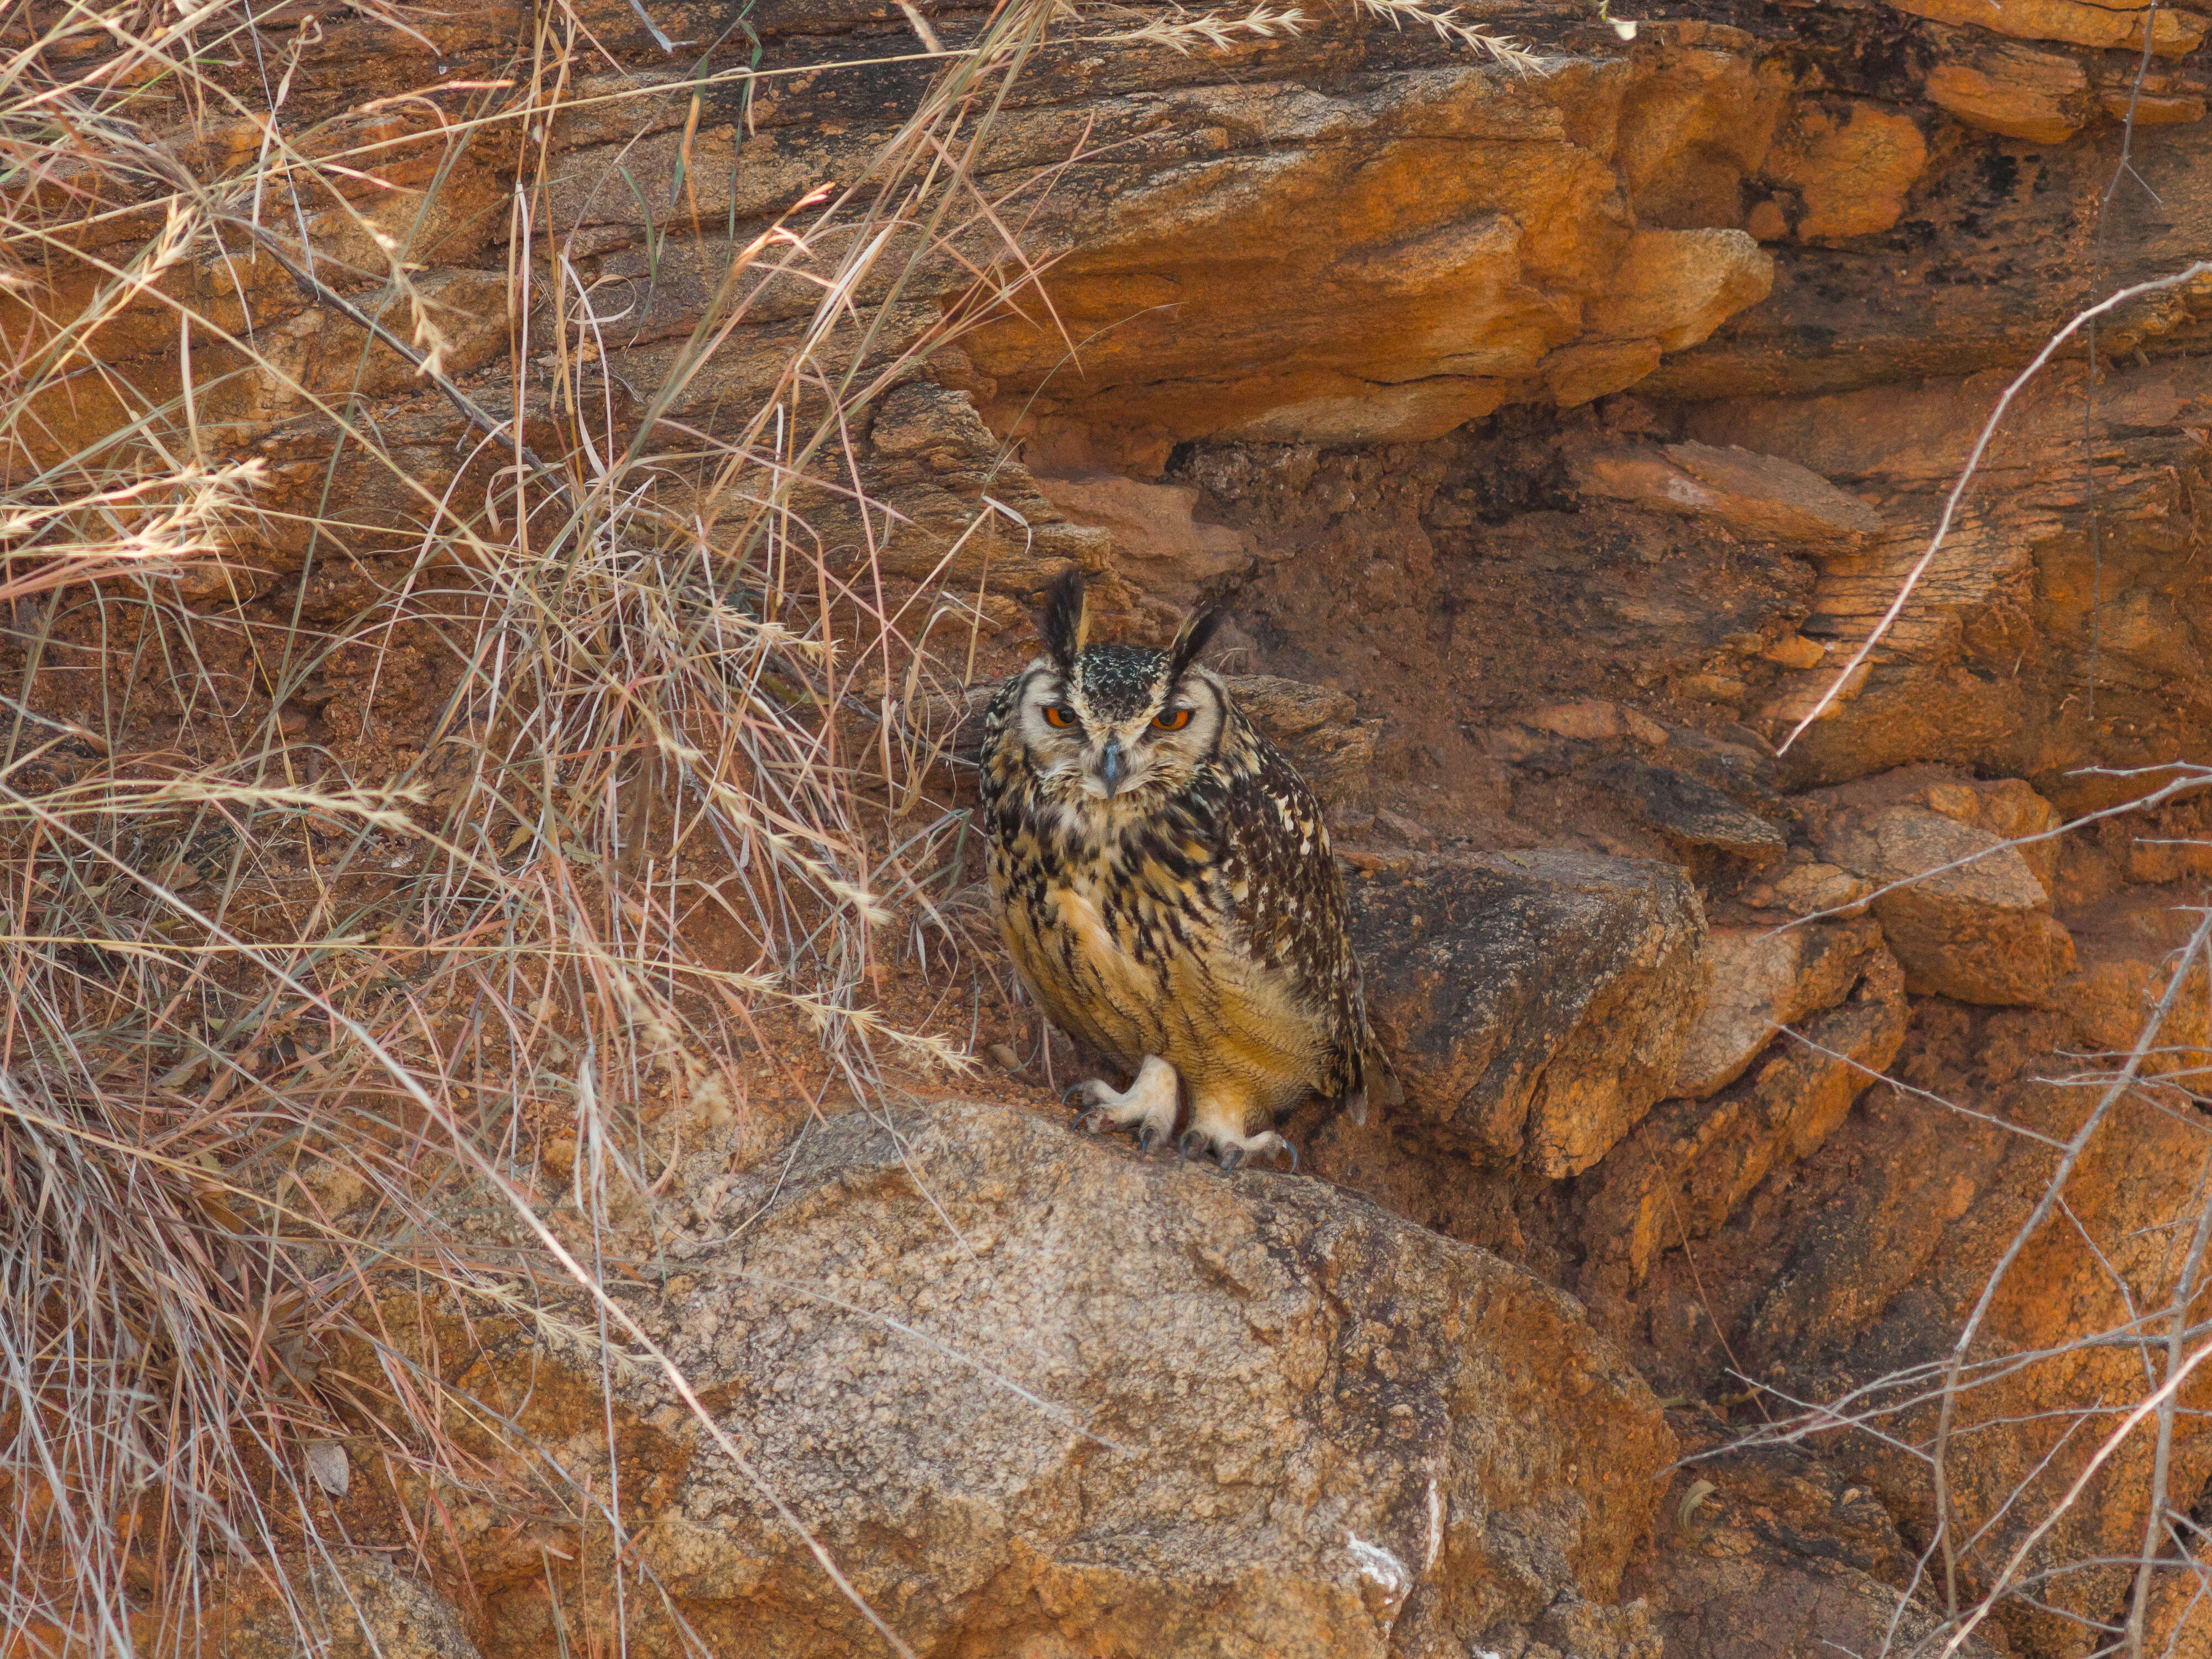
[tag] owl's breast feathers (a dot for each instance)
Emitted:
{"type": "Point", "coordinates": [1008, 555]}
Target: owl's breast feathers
{"type": "Point", "coordinates": [1207, 924]}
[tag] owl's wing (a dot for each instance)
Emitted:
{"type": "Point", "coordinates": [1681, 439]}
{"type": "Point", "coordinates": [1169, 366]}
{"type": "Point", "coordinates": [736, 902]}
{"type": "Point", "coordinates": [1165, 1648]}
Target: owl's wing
{"type": "Point", "coordinates": [994, 762]}
{"type": "Point", "coordinates": [1288, 896]}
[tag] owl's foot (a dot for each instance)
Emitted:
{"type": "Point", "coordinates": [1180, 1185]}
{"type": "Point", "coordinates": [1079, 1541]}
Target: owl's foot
{"type": "Point", "coordinates": [1148, 1105]}
{"type": "Point", "coordinates": [1231, 1150]}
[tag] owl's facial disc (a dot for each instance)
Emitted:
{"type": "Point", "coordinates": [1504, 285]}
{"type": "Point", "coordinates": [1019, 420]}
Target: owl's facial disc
{"type": "Point", "coordinates": [1114, 728]}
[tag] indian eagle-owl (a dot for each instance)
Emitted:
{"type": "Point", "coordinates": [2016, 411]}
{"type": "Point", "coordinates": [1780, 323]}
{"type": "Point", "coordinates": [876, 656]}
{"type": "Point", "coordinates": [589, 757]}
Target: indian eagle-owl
{"type": "Point", "coordinates": [1165, 882]}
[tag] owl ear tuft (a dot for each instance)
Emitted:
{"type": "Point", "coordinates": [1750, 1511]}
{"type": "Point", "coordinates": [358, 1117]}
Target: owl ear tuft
{"type": "Point", "coordinates": [1066, 620]}
{"type": "Point", "coordinates": [1194, 636]}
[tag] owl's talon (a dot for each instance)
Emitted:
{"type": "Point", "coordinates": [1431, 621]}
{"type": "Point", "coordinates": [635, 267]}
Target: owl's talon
{"type": "Point", "coordinates": [1192, 1139]}
{"type": "Point", "coordinates": [1232, 1151]}
{"type": "Point", "coordinates": [1147, 1105]}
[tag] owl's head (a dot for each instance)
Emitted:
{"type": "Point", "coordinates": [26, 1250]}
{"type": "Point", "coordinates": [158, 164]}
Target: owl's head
{"type": "Point", "coordinates": [1110, 721]}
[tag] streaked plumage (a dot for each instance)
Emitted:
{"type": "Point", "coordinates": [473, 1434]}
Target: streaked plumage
{"type": "Point", "coordinates": [1168, 890]}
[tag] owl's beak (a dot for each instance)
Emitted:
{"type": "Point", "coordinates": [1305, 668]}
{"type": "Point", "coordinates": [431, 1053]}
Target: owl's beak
{"type": "Point", "coordinates": [1112, 765]}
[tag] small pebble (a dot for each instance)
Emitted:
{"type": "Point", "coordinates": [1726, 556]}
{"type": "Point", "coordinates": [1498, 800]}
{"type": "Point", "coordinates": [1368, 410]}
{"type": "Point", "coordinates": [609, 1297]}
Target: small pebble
{"type": "Point", "coordinates": [1004, 1058]}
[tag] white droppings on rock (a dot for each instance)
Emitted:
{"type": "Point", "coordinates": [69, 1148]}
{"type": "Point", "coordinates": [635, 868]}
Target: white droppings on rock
{"type": "Point", "coordinates": [1379, 1564]}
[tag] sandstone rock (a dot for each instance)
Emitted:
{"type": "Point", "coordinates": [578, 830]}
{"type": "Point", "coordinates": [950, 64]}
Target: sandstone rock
{"type": "Point", "coordinates": [1796, 651]}
{"type": "Point", "coordinates": [931, 450]}
{"type": "Point", "coordinates": [2013, 811]}
{"type": "Point", "coordinates": [1765, 496]}
{"type": "Point", "coordinates": [2008, 808]}
{"type": "Point", "coordinates": [1762, 497]}
{"type": "Point", "coordinates": [1956, 681]}
{"type": "Point", "coordinates": [1676, 287]}
{"type": "Point", "coordinates": [1157, 545]}
{"type": "Point", "coordinates": [2112, 1000]}
{"type": "Point", "coordinates": [1761, 980]}
{"type": "Point", "coordinates": [2174, 32]}
{"type": "Point", "coordinates": [2151, 109]}
{"type": "Point", "coordinates": [2013, 91]}
{"type": "Point", "coordinates": [1781, 1554]}
{"type": "Point", "coordinates": [1379, 262]}
{"type": "Point", "coordinates": [1535, 1003]}
{"type": "Point", "coordinates": [1851, 164]}
{"type": "Point", "coordinates": [1593, 720]}
{"type": "Point", "coordinates": [363, 1608]}
{"type": "Point", "coordinates": [1693, 124]}
{"type": "Point", "coordinates": [1686, 1167]}
{"type": "Point", "coordinates": [1817, 889]}
{"type": "Point", "coordinates": [2178, 1618]}
{"type": "Point", "coordinates": [1036, 1394]}
{"type": "Point", "coordinates": [1577, 374]}
{"type": "Point", "coordinates": [1980, 933]}
{"type": "Point", "coordinates": [1692, 812]}
{"type": "Point", "coordinates": [1889, 1235]}
{"type": "Point", "coordinates": [1397, 829]}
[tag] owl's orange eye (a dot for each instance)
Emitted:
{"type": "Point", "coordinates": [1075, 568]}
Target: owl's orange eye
{"type": "Point", "coordinates": [1056, 716]}
{"type": "Point", "coordinates": [1171, 719]}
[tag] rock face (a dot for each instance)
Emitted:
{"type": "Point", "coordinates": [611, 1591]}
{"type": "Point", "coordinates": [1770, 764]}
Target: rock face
{"type": "Point", "coordinates": [1772, 1552]}
{"type": "Point", "coordinates": [1036, 1395]}
{"type": "Point", "coordinates": [1474, 221]}
{"type": "Point", "coordinates": [1758, 496]}
{"type": "Point", "coordinates": [1892, 1241]}
{"type": "Point", "coordinates": [1536, 1004]}
{"type": "Point", "coordinates": [1687, 1166]}
{"type": "Point", "coordinates": [1171, 557]}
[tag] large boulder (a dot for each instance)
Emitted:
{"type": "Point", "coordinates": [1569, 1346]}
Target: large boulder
{"type": "Point", "coordinates": [1535, 1003]}
{"type": "Point", "coordinates": [1035, 1394]}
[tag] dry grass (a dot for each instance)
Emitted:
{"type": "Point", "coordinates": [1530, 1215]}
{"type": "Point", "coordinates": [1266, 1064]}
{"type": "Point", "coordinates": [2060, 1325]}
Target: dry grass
{"type": "Point", "coordinates": [268, 1024]}
{"type": "Point", "coordinates": [1182, 31]}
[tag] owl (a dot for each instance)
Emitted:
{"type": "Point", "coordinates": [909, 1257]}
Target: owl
{"type": "Point", "coordinates": [1164, 883]}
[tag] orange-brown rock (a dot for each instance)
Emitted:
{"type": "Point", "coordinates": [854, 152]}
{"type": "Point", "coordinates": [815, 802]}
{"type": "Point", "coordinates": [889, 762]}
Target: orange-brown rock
{"type": "Point", "coordinates": [1770, 1550]}
{"type": "Point", "coordinates": [2015, 581]}
{"type": "Point", "coordinates": [1970, 921]}
{"type": "Point", "coordinates": [1157, 543]}
{"type": "Point", "coordinates": [355, 1605]}
{"type": "Point", "coordinates": [1761, 980]}
{"type": "Point", "coordinates": [2013, 91]}
{"type": "Point", "coordinates": [1892, 1240]}
{"type": "Point", "coordinates": [1535, 1005]}
{"type": "Point", "coordinates": [1850, 164]}
{"type": "Point", "coordinates": [1762, 497]}
{"type": "Point", "coordinates": [1375, 267]}
{"type": "Point", "coordinates": [1686, 1167]}
{"type": "Point", "coordinates": [2174, 30]}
